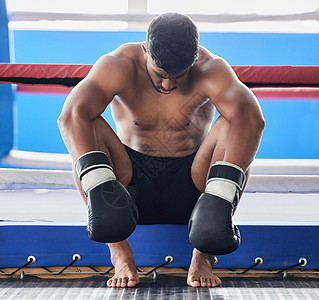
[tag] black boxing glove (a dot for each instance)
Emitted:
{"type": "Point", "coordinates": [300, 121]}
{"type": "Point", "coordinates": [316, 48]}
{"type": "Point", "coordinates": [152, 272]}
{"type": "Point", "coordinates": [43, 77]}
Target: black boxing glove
{"type": "Point", "coordinates": [112, 213]}
{"type": "Point", "coordinates": [210, 227]}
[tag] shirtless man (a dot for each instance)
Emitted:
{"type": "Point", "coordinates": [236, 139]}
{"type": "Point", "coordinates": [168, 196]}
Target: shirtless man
{"type": "Point", "coordinates": [163, 94]}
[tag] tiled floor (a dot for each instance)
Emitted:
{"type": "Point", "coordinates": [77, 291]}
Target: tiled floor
{"type": "Point", "coordinates": [163, 287]}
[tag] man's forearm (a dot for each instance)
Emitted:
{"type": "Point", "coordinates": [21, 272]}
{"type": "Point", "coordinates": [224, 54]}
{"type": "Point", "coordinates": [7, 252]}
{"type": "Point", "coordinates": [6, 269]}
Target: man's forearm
{"type": "Point", "coordinates": [78, 135]}
{"type": "Point", "coordinates": [243, 141]}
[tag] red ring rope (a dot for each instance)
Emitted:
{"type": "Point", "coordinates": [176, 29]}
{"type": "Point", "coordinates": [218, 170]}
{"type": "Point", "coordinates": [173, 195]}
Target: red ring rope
{"type": "Point", "coordinates": [289, 81]}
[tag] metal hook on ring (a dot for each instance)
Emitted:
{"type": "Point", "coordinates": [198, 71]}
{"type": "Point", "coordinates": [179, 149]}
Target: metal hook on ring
{"type": "Point", "coordinates": [75, 258]}
{"type": "Point", "coordinates": [30, 260]}
{"type": "Point", "coordinates": [258, 261]}
{"type": "Point", "coordinates": [302, 262]}
{"type": "Point", "coordinates": [168, 259]}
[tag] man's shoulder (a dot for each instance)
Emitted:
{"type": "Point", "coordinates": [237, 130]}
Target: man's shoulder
{"type": "Point", "coordinates": [212, 73]}
{"type": "Point", "coordinates": [130, 52]}
{"type": "Point", "coordinates": [131, 49]}
{"type": "Point", "coordinates": [124, 59]}
{"type": "Point", "coordinates": [209, 62]}
{"type": "Point", "coordinates": [213, 68]}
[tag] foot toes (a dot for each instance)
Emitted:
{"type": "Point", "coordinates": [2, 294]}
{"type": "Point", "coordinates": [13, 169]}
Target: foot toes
{"type": "Point", "coordinates": [124, 282]}
{"type": "Point", "coordinates": [216, 282]}
{"type": "Point", "coordinates": [109, 282]}
{"type": "Point", "coordinates": [203, 282]}
{"type": "Point", "coordinates": [119, 282]}
{"type": "Point", "coordinates": [131, 283]}
{"type": "Point", "coordinates": [112, 282]}
{"type": "Point", "coordinates": [193, 282]}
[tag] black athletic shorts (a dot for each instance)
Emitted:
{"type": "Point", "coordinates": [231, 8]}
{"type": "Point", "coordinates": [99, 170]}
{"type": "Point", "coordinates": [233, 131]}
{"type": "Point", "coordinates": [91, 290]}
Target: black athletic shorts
{"type": "Point", "coordinates": [162, 188]}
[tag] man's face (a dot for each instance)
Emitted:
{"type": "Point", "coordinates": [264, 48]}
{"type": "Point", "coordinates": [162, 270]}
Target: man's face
{"type": "Point", "coordinates": [164, 83]}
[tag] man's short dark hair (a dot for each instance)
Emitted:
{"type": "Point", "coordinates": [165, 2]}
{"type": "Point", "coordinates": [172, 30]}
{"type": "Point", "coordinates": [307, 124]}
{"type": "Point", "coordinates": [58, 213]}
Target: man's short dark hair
{"type": "Point", "coordinates": [172, 42]}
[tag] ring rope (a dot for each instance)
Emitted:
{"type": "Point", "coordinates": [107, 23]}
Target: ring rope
{"type": "Point", "coordinates": [26, 179]}
{"type": "Point", "coordinates": [71, 74]}
{"type": "Point", "coordinates": [42, 160]}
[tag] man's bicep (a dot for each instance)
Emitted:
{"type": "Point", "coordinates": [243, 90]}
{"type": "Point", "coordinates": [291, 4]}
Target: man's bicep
{"type": "Point", "coordinates": [92, 95]}
{"type": "Point", "coordinates": [224, 89]}
{"type": "Point", "coordinates": [107, 75]}
{"type": "Point", "coordinates": [236, 101]}
{"type": "Point", "coordinates": [86, 98]}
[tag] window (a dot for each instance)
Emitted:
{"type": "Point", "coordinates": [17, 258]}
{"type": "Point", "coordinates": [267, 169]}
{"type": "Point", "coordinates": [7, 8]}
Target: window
{"type": "Point", "coordinates": [69, 6]}
{"type": "Point", "coordinates": [237, 15]}
{"type": "Point", "coordinates": [269, 7]}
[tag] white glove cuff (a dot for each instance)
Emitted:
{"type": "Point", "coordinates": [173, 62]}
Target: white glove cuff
{"type": "Point", "coordinates": [95, 177]}
{"type": "Point", "coordinates": [222, 188]}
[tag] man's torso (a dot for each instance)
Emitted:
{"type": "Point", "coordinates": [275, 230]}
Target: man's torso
{"type": "Point", "coordinates": [157, 124]}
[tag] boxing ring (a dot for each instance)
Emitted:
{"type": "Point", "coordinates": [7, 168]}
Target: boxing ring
{"type": "Point", "coordinates": [43, 218]}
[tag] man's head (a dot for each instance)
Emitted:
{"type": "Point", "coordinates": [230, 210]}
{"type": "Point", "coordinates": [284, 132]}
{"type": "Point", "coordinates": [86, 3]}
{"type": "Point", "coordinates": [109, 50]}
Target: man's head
{"type": "Point", "coordinates": [172, 42]}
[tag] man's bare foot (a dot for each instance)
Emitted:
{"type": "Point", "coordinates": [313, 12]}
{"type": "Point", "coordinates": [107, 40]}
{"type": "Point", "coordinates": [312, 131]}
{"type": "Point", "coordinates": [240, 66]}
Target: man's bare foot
{"type": "Point", "coordinates": [123, 262]}
{"type": "Point", "coordinates": [200, 272]}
